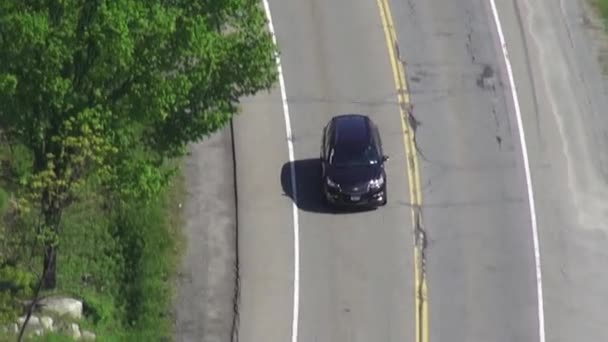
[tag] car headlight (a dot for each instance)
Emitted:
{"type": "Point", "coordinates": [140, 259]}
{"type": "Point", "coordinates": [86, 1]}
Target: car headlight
{"type": "Point", "coordinates": [376, 183]}
{"type": "Point", "coordinates": [331, 183]}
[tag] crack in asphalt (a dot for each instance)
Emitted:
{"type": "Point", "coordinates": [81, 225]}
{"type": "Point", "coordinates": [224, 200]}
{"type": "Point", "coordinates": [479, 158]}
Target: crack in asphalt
{"type": "Point", "coordinates": [414, 124]}
{"type": "Point", "coordinates": [470, 31]}
{"type": "Point", "coordinates": [420, 234]}
{"type": "Point", "coordinates": [408, 107]}
{"type": "Point", "coordinates": [412, 8]}
{"type": "Point", "coordinates": [497, 126]}
{"type": "Point", "coordinates": [421, 244]}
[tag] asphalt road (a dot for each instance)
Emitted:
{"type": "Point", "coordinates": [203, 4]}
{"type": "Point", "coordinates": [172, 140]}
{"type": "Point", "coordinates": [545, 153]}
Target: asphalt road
{"type": "Point", "coordinates": [557, 50]}
{"type": "Point", "coordinates": [480, 266]}
{"type": "Point", "coordinates": [356, 270]}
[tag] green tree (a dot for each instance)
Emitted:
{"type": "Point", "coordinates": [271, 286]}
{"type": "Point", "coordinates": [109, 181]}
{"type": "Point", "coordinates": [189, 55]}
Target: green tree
{"type": "Point", "coordinates": [87, 85]}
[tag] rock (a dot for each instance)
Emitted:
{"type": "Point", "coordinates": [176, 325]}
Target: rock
{"type": "Point", "coordinates": [73, 330]}
{"type": "Point", "coordinates": [88, 336]}
{"type": "Point", "coordinates": [46, 322]}
{"type": "Point", "coordinates": [33, 323]}
{"type": "Point", "coordinates": [14, 328]}
{"type": "Point", "coordinates": [38, 332]}
{"type": "Point", "coordinates": [61, 306]}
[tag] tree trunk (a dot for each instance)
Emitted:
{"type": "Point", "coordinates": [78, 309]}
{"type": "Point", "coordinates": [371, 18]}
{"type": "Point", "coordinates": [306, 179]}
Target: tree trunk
{"type": "Point", "coordinates": [52, 218]}
{"type": "Point", "coordinates": [51, 207]}
{"type": "Point", "coordinates": [49, 276]}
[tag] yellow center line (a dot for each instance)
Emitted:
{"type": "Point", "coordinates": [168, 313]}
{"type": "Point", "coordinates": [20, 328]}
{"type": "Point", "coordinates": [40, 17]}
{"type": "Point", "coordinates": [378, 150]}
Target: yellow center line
{"type": "Point", "coordinates": [413, 175]}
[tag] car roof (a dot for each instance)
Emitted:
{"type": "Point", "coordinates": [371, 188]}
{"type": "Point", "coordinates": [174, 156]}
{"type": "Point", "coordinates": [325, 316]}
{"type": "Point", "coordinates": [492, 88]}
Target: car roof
{"type": "Point", "coordinates": [352, 129]}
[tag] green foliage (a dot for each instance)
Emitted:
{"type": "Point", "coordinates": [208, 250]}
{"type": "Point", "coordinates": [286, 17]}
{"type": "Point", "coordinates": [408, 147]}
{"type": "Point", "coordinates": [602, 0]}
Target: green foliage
{"type": "Point", "coordinates": [53, 337]}
{"type": "Point", "coordinates": [174, 68]}
{"type": "Point", "coordinates": [86, 82]}
{"type": "Point", "coordinates": [95, 97]}
{"type": "Point", "coordinates": [111, 89]}
{"type": "Point", "coordinates": [16, 163]}
{"type": "Point", "coordinates": [603, 7]}
{"type": "Point", "coordinates": [4, 200]}
{"type": "Point", "coordinates": [15, 286]}
{"type": "Point", "coordinates": [138, 179]}
{"type": "Point", "coordinates": [120, 262]}
{"type": "Point", "coordinates": [90, 263]}
{"type": "Point", "coordinates": [147, 248]}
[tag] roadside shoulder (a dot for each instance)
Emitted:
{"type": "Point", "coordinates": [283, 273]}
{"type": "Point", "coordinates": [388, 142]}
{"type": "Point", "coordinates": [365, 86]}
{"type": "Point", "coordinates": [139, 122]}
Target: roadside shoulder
{"type": "Point", "coordinates": [204, 307]}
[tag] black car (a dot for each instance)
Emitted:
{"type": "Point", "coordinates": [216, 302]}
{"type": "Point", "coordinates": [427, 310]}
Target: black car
{"type": "Point", "coordinates": [353, 162]}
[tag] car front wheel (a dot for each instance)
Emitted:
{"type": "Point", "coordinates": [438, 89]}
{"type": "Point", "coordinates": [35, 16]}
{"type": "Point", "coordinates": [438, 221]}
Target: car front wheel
{"type": "Point", "coordinates": [385, 198]}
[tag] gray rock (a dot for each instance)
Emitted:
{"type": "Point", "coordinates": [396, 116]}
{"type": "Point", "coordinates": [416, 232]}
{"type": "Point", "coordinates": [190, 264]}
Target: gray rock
{"type": "Point", "coordinates": [38, 332]}
{"type": "Point", "coordinates": [33, 323]}
{"type": "Point", "coordinates": [47, 323]}
{"type": "Point", "coordinates": [88, 336]}
{"type": "Point", "coordinates": [73, 331]}
{"type": "Point", "coordinates": [14, 328]}
{"type": "Point", "coordinates": [62, 306]}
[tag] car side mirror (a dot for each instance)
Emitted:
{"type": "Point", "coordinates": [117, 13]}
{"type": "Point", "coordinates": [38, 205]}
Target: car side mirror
{"type": "Point", "coordinates": [385, 158]}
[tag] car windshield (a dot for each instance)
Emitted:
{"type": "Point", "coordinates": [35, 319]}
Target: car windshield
{"type": "Point", "coordinates": [354, 156]}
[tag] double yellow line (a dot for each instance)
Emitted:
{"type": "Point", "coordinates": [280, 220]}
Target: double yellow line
{"type": "Point", "coordinates": [413, 173]}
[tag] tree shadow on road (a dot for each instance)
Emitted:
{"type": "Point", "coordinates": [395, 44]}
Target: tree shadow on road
{"type": "Point", "coordinates": [308, 187]}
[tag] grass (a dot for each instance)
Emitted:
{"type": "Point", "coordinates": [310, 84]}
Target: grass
{"type": "Point", "coordinates": [603, 7]}
{"type": "Point", "coordinates": [129, 260]}
{"type": "Point", "coordinates": [120, 261]}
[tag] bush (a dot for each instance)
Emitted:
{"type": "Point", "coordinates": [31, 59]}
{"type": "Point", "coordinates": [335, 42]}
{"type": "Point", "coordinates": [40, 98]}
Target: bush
{"type": "Point", "coordinates": [15, 285]}
{"type": "Point", "coordinates": [120, 260]}
{"type": "Point", "coordinates": [603, 6]}
{"type": "Point", "coordinates": [147, 247]}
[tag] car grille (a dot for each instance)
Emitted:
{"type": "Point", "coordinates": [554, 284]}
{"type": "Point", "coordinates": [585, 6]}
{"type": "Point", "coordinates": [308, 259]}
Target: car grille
{"type": "Point", "coordinates": [344, 194]}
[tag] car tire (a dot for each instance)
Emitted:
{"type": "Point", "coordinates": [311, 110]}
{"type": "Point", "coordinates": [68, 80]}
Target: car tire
{"type": "Point", "coordinates": [323, 198]}
{"type": "Point", "coordinates": [385, 201]}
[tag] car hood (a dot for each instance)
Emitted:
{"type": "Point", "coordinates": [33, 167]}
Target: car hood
{"type": "Point", "coordinates": [354, 175]}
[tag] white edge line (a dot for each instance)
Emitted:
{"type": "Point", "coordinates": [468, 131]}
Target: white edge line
{"type": "Point", "coordinates": [296, 226]}
{"type": "Point", "coordinates": [522, 138]}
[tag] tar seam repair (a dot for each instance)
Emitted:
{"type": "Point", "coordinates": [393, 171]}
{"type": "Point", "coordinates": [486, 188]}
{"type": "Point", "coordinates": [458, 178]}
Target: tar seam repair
{"type": "Point", "coordinates": [409, 124]}
{"type": "Point", "coordinates": [524, 150]}
{"type": "Point", "coordinates": [292, 170]}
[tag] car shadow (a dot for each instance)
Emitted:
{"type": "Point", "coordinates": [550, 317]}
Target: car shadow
{"type": "Point", "coordinates": [309, 196]}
